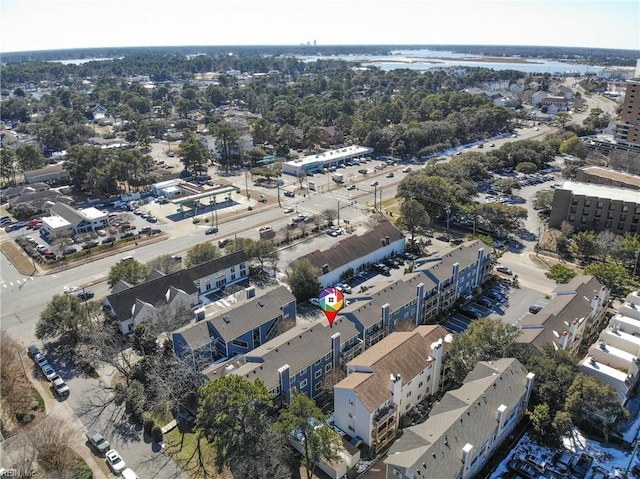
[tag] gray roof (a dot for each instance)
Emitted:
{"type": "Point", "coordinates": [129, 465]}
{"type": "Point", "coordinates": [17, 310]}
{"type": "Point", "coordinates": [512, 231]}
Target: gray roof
{"type": "Point", "coordinates": [299, 347]}
{"type": "Point", "coordinates": [47, 170]}
{"type": "Point", "coordinates": [570, 302]}
{"type": "Point", "coordinates": [192, 336]}
{"type": "Point", "coordinates": [463, 416]}
{"type": "Point", "coordinates": [246, 315]}
{"type": "Point", "coordinates": [366, 307]}
{"type": "Point", "coordinates": [154, 291]}
{"type": "Point", "coordinates": [353, 247]}
{"type": "Point", "coordinates": [465, 254]}
{"type": "Point", "coordinates": [67, 212]}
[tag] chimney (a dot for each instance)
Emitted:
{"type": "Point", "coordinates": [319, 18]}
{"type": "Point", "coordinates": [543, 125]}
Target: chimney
{"type": "Point", "coordinates": [455, 270]}
{"type": "Point", "coordinates": [501, 417]}
{"type": "Point", "coordinates": [419, 304]}
{"type": "Point", "coordinates": [199, 314]}
{"type": "Point", "coordinates": [285, 383]}
{"type": "Point", "coordinates": [436, 349]}
{"type": "Point", "coordinates": [325, 268]}
{"type": "Point", "coordinates": [530, 381]}
{"type": "Point", "coordinates": [480, 267]}
{"type": "Point", "coordinates": [396, 388]}
{"type": "Point", "coordinates": [250, 292]}
{"type": "Point", "coordinates": [335, 348]}
{"type": "Point", "coordinates": [386, 240]}
{"type": "Point", "coordinates": [385, 310]}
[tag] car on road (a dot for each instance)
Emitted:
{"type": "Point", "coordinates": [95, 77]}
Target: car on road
{"type": "Point", "coordinates": [535, 308]}
{"type": "Point", "coordinates": [48, 371]}
{"type": "Point", "coordinates": [444, 238]}
{"type": "Point", "coordinates": [85, 295]}
{"type": "Point", "coordinates": [211, 230]}
{"type": "Point", "coordinates": [60, 387]}
{"type": "Point", "coordinates": [503, 269]}
{"type": "Point", "coordinates": [32, 351]}
{"type": "Point", "coordinates": [375, 183]}
{"type": "Point", "coordinates": [115, 461]}
{"type": "Point", "coordinates": [390, 174]}
{"type": "Point", "coordinates": [351, 187]}
{"type": "Point", "coordinates": [70, 289]}
{"type": "Point", "coordinates": [289, 210]}
{"type": "Point", "coordinates": [406, 169]}
{"type": "Point", "coordinates": [98, 442]}
{"type": "Point", "coordinates": [289, 194]}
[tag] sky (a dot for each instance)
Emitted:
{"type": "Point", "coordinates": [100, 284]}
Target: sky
{"type": "Point", "coordinates": [27, 25]}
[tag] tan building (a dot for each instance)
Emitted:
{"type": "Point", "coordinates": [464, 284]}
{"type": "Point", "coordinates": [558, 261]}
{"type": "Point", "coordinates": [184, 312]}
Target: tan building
{"type": "Point", "coordinates": [593, 207]}
{"type": "Point", "coordinates": [606, 177]}
{"type": "Point", "coordinates": [628, 130]}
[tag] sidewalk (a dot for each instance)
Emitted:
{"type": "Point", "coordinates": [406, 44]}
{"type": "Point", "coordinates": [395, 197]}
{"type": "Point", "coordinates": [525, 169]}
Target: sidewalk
{"type": "Point", "coordinates": [76, 441]}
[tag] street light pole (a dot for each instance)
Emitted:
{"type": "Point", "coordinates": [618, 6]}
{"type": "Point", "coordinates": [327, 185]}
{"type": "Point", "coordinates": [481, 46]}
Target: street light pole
{"type": "Point", "coordinates": [447, 208]}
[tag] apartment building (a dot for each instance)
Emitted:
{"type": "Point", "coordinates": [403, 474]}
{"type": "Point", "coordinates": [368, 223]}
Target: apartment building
{"type": "Point", "coordinates": [386, 381]}
{"type": "Point", "coordinates": [466, 426]}
{"type": "Point", "coordinates": [628, 130]}
{"type": "Point", "coordinates": [614, 357]}
{"type": "Point", "coordinates": [571, 319]}
{"type": "Point", "coordinates": [595, 207]}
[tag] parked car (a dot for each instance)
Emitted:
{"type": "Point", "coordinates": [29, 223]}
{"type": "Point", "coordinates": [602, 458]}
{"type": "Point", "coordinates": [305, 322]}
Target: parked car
{"type": "Point", "coordinates": [32, 351]}
{"type": "Point", "coordinates": [126, 235]}
{"type": "Point", "coordinates": [524, 469]}
{"type": "Point", "coordinates": [85, 295]}
{"type": "Point", "coordinates": [345, 288]}
{"type": "Point", "coordinates": [176, 257]}
{"type": "Point", "coordinates": [146, 229]}
{"type": "Point", "coordinates": [98, 442]}
{"type": "Point", "coordinates": [457, 241]}
{"type": "Point", "coordinates": [504, 270]}
{"type": "Point", "coordinates": [444, 238]}
{"type": "Point", "coordinates": [108, 240]}
{"type": "Point", "coordinates": [535, 309]}
{"type": "Point", "coordinates": [48, 371]}
{"type": "Point", "coordinates": [315, 302]}
{"type": "Point", "coordinates": [223, 242]}
{"type": "Point", "coordinates": [115, 461]}
{"type": "Point", "coordinates": [40, 359]}
{"type": "Point", "coordinates": [129, 474]}
{"type": "Point", "coordinates": [60, 387]}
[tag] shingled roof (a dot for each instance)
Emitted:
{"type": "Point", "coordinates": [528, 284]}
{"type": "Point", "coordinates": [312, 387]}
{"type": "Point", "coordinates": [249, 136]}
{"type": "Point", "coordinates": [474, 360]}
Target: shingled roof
{"type": "Point", "coordinates": [463, 416]}
{"type": "Point", "coordinates": [571, 302]}
{"type": "Point", "coordinates": [353, 247]}
{"type": "Point", "coordinates": [404, 353]}
{"type": "Point", "coordinates": [465, 255]}
{"type": "Point", "coordinates": [299, 347]}
{"type": "Point", "coordinates": [154, 291]}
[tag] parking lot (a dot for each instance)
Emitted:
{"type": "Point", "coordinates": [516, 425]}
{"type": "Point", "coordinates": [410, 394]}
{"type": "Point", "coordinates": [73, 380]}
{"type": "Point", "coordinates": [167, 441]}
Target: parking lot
{"type": "Point", "coordinates": [501, 300]}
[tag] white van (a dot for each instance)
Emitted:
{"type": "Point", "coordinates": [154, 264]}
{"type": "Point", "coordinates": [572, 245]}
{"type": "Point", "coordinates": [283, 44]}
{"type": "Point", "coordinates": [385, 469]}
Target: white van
{"type": "Point", "coordinates": [129, 474]}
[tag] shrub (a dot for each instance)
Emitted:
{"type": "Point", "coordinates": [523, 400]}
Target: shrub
{"type": "Point", "coordinates": [148, 423]}
{"type": "Point", "coordinates": [156, 433]}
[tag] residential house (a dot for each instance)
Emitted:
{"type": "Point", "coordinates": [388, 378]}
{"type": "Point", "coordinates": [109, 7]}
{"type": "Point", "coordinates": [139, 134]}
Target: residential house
{"type": "Point", "coordinates": [356, 252]}
{"type": "Point", "coordinates": [571, 318]}
{"type": "Point", "coordinates": [65, 220]}
{"type": "Point", "coordinates": [387, 380]}
{"type": "Point", "coordinates": [13, 192]}
{"type": "Point", "coordinates": [331, 136]}
{"type": "Point", "coordinates": [185, 288]}
{"type": "Point", "coordinates": [537, 97]}
{"type": "Point", "coordinates": [302, 359]}
{"type": "Point", "coordinates": [52, 175]}
{"type": "Point", "coordinates": [614, 358]}
{"type": "Point", "coordinates": [466, 426]}
{"type": "Point", "coordinates": [235, 324]}
{"type": "Point", "coordinates": [455, 274]}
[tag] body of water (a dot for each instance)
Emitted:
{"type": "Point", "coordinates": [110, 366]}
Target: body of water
{"type": "Point", "coordinates": [424, 60]}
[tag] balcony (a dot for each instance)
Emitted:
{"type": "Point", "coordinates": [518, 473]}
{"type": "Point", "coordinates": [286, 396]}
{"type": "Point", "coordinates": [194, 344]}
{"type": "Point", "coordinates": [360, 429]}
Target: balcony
{"type": "Point", "coordinates": [383, 414]}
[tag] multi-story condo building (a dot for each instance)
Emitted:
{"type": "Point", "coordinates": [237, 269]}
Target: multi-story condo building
{"type": "Point", "coordinates": [595, 207]}
{"type": "Point", "coordinates": [387, 380]}
{"type": "Point", "coordinates": [466, 426]}
{"type": "Point", "coordinates": [628, 130]}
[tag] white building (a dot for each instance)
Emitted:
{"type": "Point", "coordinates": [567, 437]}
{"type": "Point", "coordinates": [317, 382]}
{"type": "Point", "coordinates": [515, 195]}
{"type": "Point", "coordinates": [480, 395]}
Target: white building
{"type": "Point", "coordinates": [64, 220]}
{"type": "Point", "coordinates": [314, 163]}
{"type": "Point", "coordinates": [388, 380]}
{"type": "Point", "coordinates": [614, 358]}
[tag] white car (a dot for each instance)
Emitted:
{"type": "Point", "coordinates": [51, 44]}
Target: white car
{"type": "Point", "coordinates": [70, 289]}
{"type": "Point", "coordinates": [288, 210]}
{"type": "Point", "coordinates": [115, 461]}
{"type": "Point", "coordinates": [504, 269]}
{"type": "Point", "coordinates": [315, 302]}
{"type": "Point", "coordinates": [48, 371]}
{"type": "Point", "coordinates": [351, 187]}
{"type": "Point", "coordinates": [406, 169]}
{"type": "Point", "coordinates": [60, 387]}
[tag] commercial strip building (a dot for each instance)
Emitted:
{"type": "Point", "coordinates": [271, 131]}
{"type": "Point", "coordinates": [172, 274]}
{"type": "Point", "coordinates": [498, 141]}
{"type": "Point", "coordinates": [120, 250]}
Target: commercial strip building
{"type": "Point", "coordinates": [387, 381]}
{"type": "Point", "coordinates": [316, 163]}
{"type": "Point", "coordinates": [594, 207]}
{"type": "Point", "coordinates": [466, 426]}
{"type": "Point", "coordinates": [614, 357]}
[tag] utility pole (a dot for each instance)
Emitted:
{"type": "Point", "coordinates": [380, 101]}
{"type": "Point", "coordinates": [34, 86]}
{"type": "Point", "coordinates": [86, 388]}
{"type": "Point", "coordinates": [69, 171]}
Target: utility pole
{"type": "Point", "coordinates": [447, 208]}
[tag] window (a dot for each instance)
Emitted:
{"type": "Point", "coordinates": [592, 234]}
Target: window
{"type": "Point", "coordinates": [303, 383]}
{"type": "Point", "coordinates": [600, 204]}
{"type": "Point", "coordinates": [233, 276]}
{"type": "Point", "coordinates": [352, 429]}
{"type": "Point", "coordinates": [625, 208]}
{"type": "Point", "coordinates": [420, 385]}
{"type": "Point", "coordinates": [318, 373]}
{"type": "Point", "coordinates": [242, 344]}
{"type": "Point", "coordinates": [351, 415]}
{"type": "Point", "coordinates": [327, 368]}
{"type": "Point", "coordinates": [350, 402]}
{"type": "Point", "coordinates": [409, 394]}
{"type": "Point", "coordinates": [572, 217]}
{"type": "Point", "coordinates": [587, 203]}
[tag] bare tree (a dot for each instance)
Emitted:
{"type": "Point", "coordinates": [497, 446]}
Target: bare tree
{"type": "Point", "coordinates": [330, 215]}
{"type": "Point", "coordinates": [303, 226]}
{"type": "Point", "coordinates": [16, 390]}
{"type": "Point", "coordinates": [606, 242]}
{"type": "Point", "coordinates": [165, 264]}
{"type": "Point", "coordinates": [51, 439]}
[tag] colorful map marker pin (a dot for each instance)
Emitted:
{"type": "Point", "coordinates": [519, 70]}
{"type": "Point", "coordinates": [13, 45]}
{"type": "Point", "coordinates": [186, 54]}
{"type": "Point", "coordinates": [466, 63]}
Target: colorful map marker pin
{"type": "Point", "coordinates": [331, 301]}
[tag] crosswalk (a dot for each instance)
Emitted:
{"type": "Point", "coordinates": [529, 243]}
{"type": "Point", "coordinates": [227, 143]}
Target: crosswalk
{"type": "Point", "coordinates": [19, 282]}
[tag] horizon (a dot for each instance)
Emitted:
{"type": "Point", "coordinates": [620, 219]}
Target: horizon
{"type": "Point", "coordinates": [91, 24]}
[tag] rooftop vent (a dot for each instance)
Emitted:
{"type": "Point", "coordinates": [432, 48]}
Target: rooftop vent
{"type": "Point", "coordinates": [226, 319]}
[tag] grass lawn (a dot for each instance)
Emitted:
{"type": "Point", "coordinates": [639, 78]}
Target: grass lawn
{"type": "Point", "coordinates": [182, 447]}
{"type": "Point", "coordinates": [21, 262]}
